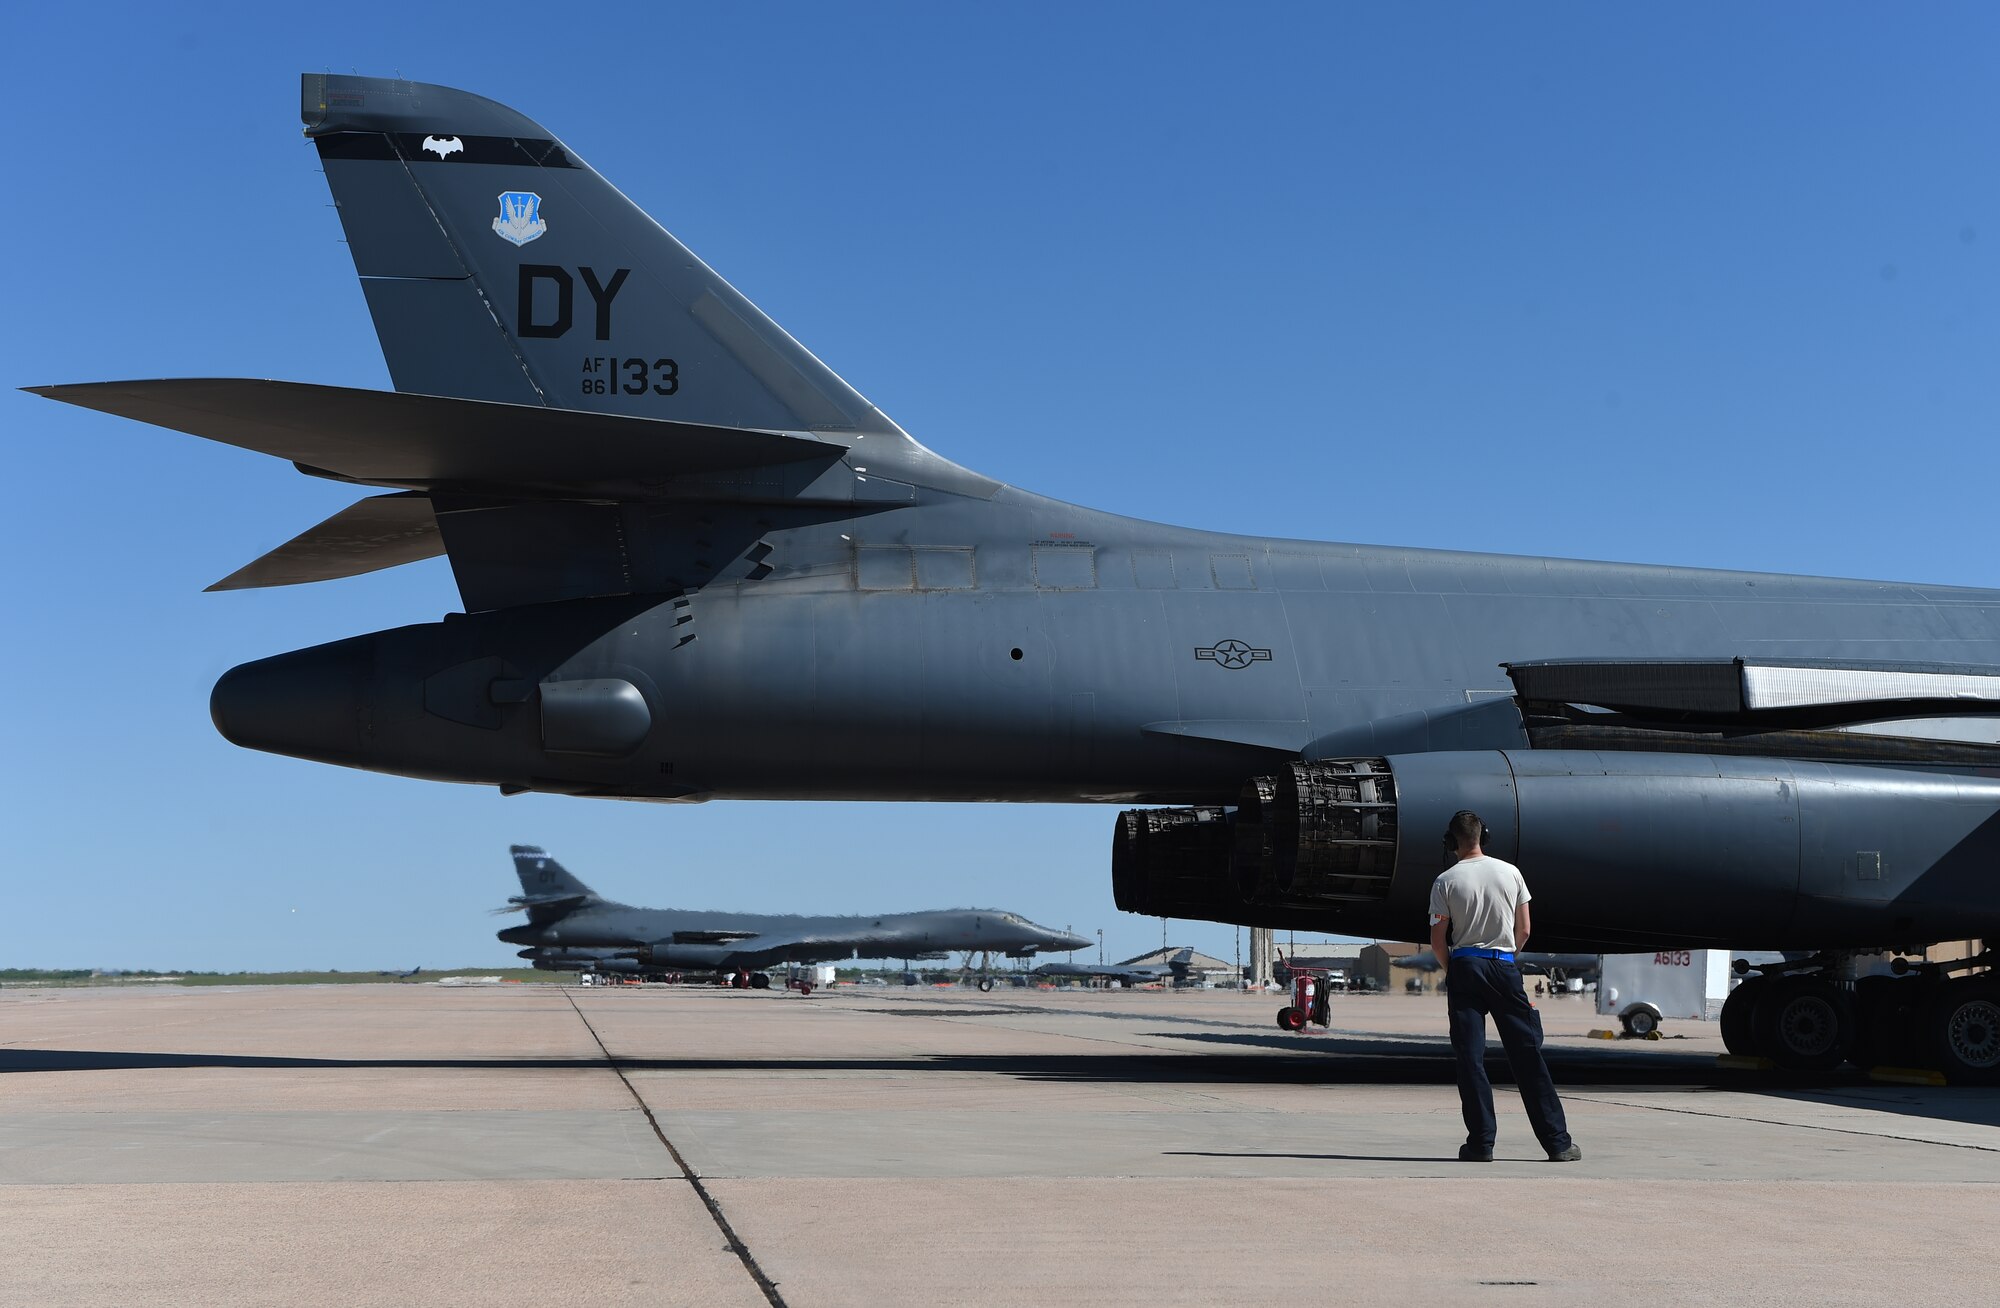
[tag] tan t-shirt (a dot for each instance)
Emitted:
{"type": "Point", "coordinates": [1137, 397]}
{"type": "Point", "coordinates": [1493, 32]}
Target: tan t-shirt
{"type": "Point", "coordinates": [1480, 896]}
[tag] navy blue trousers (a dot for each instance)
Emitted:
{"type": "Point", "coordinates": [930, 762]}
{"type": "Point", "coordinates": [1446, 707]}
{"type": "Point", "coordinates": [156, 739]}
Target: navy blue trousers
{"type": "Point", "coordinates": [1483, 987]}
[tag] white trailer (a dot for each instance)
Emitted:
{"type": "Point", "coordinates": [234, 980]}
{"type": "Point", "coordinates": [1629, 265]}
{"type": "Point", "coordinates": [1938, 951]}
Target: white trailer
{"type": "Point", "coordinates": [809, 976]}
{"type": "Point", "coordinates": [1643, 990]}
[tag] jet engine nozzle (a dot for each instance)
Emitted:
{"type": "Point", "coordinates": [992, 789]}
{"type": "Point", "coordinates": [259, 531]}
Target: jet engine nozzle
{"type": "Point", "coordinates": [1173, 862]}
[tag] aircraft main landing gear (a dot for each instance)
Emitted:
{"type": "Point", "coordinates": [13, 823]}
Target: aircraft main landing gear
{"type": "Point", "coordinates": [1736, 1010]}
{"type": "Point", "coordinates": [1963, 1022]}
{"type": "Point", "coordinates": [1800, 1017]}
{"type": "Point", "coordinates": [1804, 1023]}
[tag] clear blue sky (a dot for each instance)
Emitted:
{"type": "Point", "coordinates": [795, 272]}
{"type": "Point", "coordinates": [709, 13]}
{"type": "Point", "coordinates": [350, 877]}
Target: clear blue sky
{"type": "Point", "coordinates": [1690, 284]}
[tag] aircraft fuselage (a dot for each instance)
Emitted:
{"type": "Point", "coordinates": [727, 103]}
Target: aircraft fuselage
{"type": "Point", "coordinates": [1088, 658]}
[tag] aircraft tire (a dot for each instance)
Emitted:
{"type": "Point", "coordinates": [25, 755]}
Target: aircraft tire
{"type": "Point", "coordinates": [1738, 1037]}
{"type": "Point", "coordinates": [1802, 1024]}
{"type": "Point", "coordinates": [1963, 1023]}
{"type": "Point", "coordinates": [760, 980]}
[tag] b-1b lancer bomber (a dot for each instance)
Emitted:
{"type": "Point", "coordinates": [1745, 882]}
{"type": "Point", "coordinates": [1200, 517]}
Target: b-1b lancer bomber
{"type": "Point", "coordinates": [570, 926]}
{"type": "Point", "coordinates": [696, 564]}
{"type": "Point", "coordinates": [1171, 972]}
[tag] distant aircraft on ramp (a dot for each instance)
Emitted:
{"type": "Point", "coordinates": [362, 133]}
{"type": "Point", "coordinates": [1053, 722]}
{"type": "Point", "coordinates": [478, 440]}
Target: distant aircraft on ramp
{"type": "Point", "coordinates": [564, 913]}
{"type": "Point", "coordinates": [1174, 969]}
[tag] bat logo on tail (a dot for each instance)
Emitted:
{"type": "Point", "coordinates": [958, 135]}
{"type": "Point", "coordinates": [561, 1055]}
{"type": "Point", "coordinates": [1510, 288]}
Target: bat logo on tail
{"type": "Point", "coordinates": [444, 146]}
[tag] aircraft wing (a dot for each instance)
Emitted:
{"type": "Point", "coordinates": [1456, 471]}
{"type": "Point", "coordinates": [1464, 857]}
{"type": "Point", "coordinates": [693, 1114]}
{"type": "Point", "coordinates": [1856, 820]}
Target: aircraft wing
{"type": "Point", "coordinates": [1796, 708]}
{"type": "Point", "coordinates": [712, 937]}
{"type": "Point", "coordinates": [1773, 692]}
{"type": "Point", "coordinates": [824, 945]}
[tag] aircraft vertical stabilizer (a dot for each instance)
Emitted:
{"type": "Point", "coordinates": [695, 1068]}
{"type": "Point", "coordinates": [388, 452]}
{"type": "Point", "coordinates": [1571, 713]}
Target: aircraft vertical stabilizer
{"type": "Point", "coordinates": [500, 266]}
{"type": "Point", "coordinates": [546, 885]}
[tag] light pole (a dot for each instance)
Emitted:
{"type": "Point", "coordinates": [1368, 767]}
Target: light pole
{"type": "Point", "coordinates": [1100, 944]}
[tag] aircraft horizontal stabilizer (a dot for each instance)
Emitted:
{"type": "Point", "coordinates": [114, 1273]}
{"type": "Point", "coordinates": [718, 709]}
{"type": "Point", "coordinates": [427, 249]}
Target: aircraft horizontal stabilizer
{"type": "Point", "coordinates": [429, 442]}
{"type": "Point", "coordinates": [529, 903]}
{"type": "Point", "coordinates": [382, 531]}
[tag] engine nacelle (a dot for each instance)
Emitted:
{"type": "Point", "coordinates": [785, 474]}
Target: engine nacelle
{"type": "Point", "coordinates": [1622, 850]}
{"type": "Point", "coordinates": [1318, 832]}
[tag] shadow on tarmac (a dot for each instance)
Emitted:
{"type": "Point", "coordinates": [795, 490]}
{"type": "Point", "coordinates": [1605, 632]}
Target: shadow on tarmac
{"type": "Point", "coordinates": [1968, 1105]}
{"type": "Point", "coordinates": [1328, 1061]}
{"type": "Point", "coordinates": [1370, 1060]}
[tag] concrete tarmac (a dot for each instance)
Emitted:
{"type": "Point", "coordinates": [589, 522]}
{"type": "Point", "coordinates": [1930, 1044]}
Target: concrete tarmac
{"type": "Point", "coordinates": [408, 1143]}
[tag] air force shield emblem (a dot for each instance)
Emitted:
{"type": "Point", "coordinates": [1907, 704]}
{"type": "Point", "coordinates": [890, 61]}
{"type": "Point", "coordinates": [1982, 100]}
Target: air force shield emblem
{"type": "Point", "coordinates": [520, 219]}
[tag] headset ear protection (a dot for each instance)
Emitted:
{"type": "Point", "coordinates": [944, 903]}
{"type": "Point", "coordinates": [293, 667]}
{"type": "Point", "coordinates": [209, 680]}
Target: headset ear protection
{"type": "Point", "coordinates": [1451, 843]}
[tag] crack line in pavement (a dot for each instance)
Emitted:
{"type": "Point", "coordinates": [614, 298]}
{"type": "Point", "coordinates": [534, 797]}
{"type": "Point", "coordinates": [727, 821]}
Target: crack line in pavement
{"type": "Point", "coordinates": [735, 1242]}
{"type": "Point", "coordinates": [1772, 1121]}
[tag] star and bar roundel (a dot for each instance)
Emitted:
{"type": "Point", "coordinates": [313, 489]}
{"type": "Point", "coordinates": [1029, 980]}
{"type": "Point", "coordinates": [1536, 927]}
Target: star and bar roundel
{"type": "Point", "coordinates": [1232, 653]}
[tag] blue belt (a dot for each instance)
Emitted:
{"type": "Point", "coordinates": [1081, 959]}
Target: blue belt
{"type": "Point", "coordinates": [1504, 955]}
